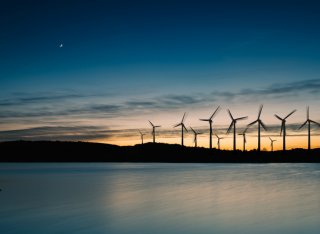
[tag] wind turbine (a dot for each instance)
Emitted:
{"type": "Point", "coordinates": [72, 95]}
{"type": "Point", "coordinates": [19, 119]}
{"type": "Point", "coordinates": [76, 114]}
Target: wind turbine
{"type": "Point", "coordinates": [233, 124]}
{"type": "Point", "coordinates": [210, 124]}
{"type": "Point", "coordinates": [283, 127]}
{"type": "Point", "coordinates": [141, 134]}
{"type": "Point", "coordinates": [309, 121]}
{"type": "Point", "coordinates": [154, 131]}
{"type": "Point", "coordinates": [219, 138]}
{"type": "Point", "coordinates": [195, 136]}
{"type": "Point", "coordinates": [244, 139]}
{"type": "Point", "coordinates": [182, 127]}
{"type": "Point", "coordinates": [260, 123]}
{"type": "Point", "coordinates": [272, 143]}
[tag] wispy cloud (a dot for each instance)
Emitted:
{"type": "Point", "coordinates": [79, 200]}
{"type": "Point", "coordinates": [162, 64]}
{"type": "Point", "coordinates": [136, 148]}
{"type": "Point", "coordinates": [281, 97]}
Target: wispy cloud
{"type": "Point", "coordinates": [92, 133]}
{"type": "Point", "coordinates": [276, 90]}
{"type": "Point", "coordinates": [48, 97]}
{"type": "Point", "coordinates": [33, 108]}
{"type": "Point", "coordinates": [31, 99]}
{"type": "Point", "coordinates": [94, 109]}
{"type": "Point", "coordinates": [81, 133]}
{"type": "Point", "coordinates": [69, 133]}
{"type": "Point", "coordinates": [164, 102]}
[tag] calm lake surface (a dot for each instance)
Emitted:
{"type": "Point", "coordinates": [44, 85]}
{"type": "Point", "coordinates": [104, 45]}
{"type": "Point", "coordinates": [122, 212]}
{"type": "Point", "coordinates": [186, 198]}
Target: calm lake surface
{"type": "Point", "coordinates": [159, 198]}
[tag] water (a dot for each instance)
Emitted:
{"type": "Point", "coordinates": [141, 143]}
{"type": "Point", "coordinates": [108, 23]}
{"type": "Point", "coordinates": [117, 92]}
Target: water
{"type": "Point", "coordinates": [159, 198]}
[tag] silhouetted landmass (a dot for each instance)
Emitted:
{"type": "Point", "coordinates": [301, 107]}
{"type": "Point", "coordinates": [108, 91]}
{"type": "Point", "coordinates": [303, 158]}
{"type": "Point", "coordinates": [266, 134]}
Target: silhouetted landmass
{"type": "Point", "coordinates": [55, 151]}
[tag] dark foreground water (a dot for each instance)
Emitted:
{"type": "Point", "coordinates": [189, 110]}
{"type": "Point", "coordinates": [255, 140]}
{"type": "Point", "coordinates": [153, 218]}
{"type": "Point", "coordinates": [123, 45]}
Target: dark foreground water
{"type": "Point", "coordinates": [159, 198]}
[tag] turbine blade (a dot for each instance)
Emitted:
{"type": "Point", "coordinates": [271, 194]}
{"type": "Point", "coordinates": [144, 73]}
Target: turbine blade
{"type": "Point", "coordinates": [312, 121]}
{"type": "Point", "coordinates": [193, 130]}
{"type": "Point", "coordinates": [252, 123]}
{"type": "Point", "coordinates": [183, 117]}
{"type": "Point", "coordinates": [151, 123]}
{"type": "Point", "coordinates": [303, 125]}
{"type": "Point", "coordinates": [157, 126]}
{"type": "Point", "coordinates": [214, 112]}
{"type": "Point", "coordinates": [290, 114]}
{"type": "Point", "coordinates": [177, 125]}
{"type": "Point", "coordinates": [184, 127]}
{"type": "Point", "coordinates": [204, 119]}
{"type": "Point", "coordinates": [263, 125]}
{"type": "Point", "coordinates": [261, 106]}
{"type": "Point", "coordinates": [230, 127]}
{"type": "Point", "coordinates": [216, 136]}
{"type": "Point", "coordinates": [230, 114]}
{"type": "Point", "coordinates": [307, 112]}
{"type": "Point", "coordinates": [244, 132]}
{"type": "Point", "coordinates": [279, 118]}
{"type": "Point", "coordinates": [270, 139]}
{"type": "Point", "coordinates": [242, 118]}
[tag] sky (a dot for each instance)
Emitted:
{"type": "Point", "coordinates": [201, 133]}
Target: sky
{"type": "Point", "coordinates": [99, 70]}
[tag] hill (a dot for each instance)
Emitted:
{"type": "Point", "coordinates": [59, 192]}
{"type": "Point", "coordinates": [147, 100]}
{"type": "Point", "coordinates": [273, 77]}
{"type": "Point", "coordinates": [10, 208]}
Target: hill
{"type": "Point", "coordinates": [56, 151]}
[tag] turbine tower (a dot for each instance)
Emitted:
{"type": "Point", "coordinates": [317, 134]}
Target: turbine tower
{"type": "Point", "coordinates": [219, 138]}
{"type": "Point", "coordinates": [182, 127]}
{"type": "Point", "coordinates": [260, 123]}
{"type": "Point", "coordinates": [141, 134]}
{"type": "Point", "coordinates": [195, 140]}
{"type": "Point", "coordinates": [233, 124]}
{"type": "Point", "coordinates": [154, 131]}
{"type": "Point", "coordinates": [283, 127]}
{"type": "Point", "coordinates": [244, 139]}
{"type": "Point", "coordinates": [309, 121]}
{"type": "Point", "coordinates": [271, 142]}
{"type": "Point", "coordinates": [210, 125]}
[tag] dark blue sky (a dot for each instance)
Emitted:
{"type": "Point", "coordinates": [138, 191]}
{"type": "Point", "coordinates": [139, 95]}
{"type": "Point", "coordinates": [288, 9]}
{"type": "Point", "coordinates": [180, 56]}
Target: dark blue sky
{"type": "Point", "coordinates": [116, 52]}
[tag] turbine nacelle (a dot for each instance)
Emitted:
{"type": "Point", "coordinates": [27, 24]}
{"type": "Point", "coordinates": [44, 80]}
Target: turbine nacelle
{"type": "Point", "coordinates": [272, 140]}
{"type": "Point", "coordinates": [260, 123]}
{"type": "Point", "coordinates": [181, 123]}
{"type": "Point", "coordinates": [219, 138]}
{"type": "Point", "coordinates": [194, 131]}
{"type": "Point", "coordinates": [308, 120]}
{"type": "Point", "coordinates": [283, 120]}
{"type": "Point", "coordinates": [244, 138]}
{"type": "Point", "coordinates": [142, 134]}
{"type": "Point", "coordinates": [234, 121]}
{"type": "Point", "coordinates": [154, 126]}
{"type": "Point", "coordinates": [210, 124]}
{"type": "Point", "coordinates": [211, 117]}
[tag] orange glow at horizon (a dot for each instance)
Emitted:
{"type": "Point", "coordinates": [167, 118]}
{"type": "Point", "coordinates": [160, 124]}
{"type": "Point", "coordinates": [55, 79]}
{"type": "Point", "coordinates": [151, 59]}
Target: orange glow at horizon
{"type": "Point", "coordinates": [292, 142]}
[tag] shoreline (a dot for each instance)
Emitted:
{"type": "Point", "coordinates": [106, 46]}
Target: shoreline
{"type": "Point", "coordinates": [58, 151]}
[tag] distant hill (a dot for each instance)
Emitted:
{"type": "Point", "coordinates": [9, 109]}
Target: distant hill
{"type": "Point", "coordinates": [56, 151]}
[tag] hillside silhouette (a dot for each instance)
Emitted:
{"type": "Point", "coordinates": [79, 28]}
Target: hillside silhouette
{"type": "Point", "coordinates": [56, 151]}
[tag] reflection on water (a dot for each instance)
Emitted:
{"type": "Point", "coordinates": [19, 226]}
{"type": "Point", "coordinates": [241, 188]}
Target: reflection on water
{"type": "Point", "coordinates": [159, 198]}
